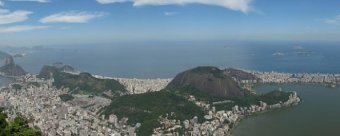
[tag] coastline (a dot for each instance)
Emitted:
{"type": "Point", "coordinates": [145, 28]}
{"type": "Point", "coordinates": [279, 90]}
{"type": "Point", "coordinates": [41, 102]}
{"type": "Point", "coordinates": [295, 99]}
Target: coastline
{"type": "Point", "coordinates": [260, 113]}
{"type": "Point", "coordinates": [240, 117]}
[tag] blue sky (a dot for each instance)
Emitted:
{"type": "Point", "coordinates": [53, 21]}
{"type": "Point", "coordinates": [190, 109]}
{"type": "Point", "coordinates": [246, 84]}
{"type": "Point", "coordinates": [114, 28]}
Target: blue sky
{"type": "Point", "coordinates": [58, 22]}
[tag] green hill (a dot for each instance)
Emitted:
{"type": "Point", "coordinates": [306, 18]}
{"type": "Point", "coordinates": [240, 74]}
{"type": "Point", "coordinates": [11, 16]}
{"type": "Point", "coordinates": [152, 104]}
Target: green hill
{"type": "Point", "coordinates": [211, 84]}
{"type": "Point", "coordinates": [84, 83]}
{"type": "Point", "coordinates": [211, 80]}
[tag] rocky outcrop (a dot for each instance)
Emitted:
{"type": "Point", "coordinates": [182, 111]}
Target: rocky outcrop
{"type": "Point", "coordinates": [9, 60]}
{"type": "Point", "coordinates": [47, 71]}
{"type": "Point", "coordinates": [12, 69]}
{"type": "Point", "coordinates": [208, 79]}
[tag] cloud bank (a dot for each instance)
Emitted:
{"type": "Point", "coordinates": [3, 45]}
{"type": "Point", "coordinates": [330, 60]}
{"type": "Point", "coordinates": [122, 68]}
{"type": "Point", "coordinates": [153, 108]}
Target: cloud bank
{"type": "Point", "coordinates": [333, 21]}
{"type": "Point", "coordinates": [8, 17]}
{"type": "Point", "coordinates": [13, 29]}
{"type": "Point", "coordinates": [237, 5]}
{"type": "Point", "coordinates": [72, 17]}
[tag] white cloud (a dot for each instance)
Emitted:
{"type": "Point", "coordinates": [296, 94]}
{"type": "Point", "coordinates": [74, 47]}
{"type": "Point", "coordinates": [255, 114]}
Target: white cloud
{"type": "Point", "coordinates": [112, 1]}
{"type": "Point", "coordinates": [40, 1]}
{"type": "Point", "coordinates": [7, 17]}
{"type": "Point", "coordinates": [2, 4]}
{"type": "Point", "coordinates": [237, 5]}
{"type": "Point", "coordinates": [72, 17]}
{"type": "Point", "coordinates": [333, 21]}
{"type": "Point", "coordinates": [13, 29]}
{"type": "Point", "coordinates": [170, 13]}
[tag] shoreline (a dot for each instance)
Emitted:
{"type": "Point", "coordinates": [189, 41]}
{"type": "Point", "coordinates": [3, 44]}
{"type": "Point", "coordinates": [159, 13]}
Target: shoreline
{"type": "Point", "coordinates": [259, 114]}
{"type": "Point", "coordinates": [253, 110]}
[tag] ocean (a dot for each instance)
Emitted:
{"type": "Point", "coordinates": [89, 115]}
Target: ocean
{"type": "Point", "coordinates": [164, 60]}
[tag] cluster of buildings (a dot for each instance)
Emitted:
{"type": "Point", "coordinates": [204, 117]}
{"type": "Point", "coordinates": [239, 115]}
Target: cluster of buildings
{"type": "Point", "coordinates": [139, 86]}
{"type": "Point", "coordinates": [277, 77]}
{"type": "Point", "coordinates": [89, 102]}
{"type": "Point", "coordinates": [217, 123]}
{"type": "Point", "coordinates": [39, 102]}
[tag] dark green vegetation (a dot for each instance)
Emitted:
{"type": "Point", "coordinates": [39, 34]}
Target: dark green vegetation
{"type": "Point", "coordinates": [247, 100]}
{"type": "Point", "coordinates": [17, 86]}
{"type": "Point", "coordinates": [36, 84]}
{"type": "Point", "coordinates": [66, 97]}
{"type": "Point", "coordinates": [17, 127]}
{"type": "Point", "coordinates": [84, 83]}
{"type": "Point", "coordinates": [146, 109]}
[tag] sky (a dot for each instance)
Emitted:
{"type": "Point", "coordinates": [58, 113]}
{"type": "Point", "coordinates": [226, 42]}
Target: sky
{"type": "Point", "coordinates": [61, 22]}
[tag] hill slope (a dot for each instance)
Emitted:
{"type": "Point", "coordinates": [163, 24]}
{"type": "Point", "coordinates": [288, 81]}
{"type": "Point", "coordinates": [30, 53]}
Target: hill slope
{"type": "Point", "coordinates": [84, 83]}
{"type": "Point", "coordinates": [146, 109]}
{"type": "Point", "coordinates": [208, 79]}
